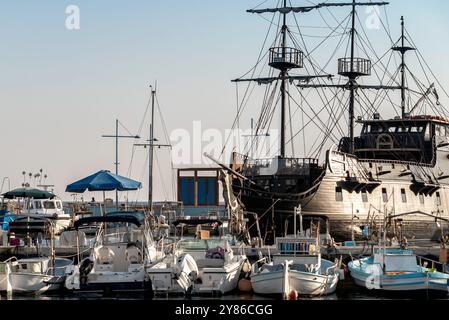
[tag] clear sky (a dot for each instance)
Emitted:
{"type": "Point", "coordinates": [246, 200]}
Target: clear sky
{"type": "Point", "coordinates": [61, 89]}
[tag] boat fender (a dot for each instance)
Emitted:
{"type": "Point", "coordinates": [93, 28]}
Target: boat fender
{"type": "Point", "coordinates": [245, 286]}
{"type": "Point", "coordinates": [346, 270]}
{"type": "Point", "coordinates": [293, 295]}
{"type": "Point", "coordinates": [246, 267]}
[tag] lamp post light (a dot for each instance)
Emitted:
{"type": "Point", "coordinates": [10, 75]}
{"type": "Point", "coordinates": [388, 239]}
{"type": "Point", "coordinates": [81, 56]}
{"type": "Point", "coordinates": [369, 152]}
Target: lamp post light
{"type": "Point", "coordinates": [117, 137]}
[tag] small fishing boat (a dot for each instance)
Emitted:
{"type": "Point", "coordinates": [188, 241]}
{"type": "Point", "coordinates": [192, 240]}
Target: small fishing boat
{"type": "Point", "coordinates": [296, 268]}
{"type": "Point", "coordinates": [38, 206]}
{"type": "Point", "coordinates": [36, 275]}
{"type": "Point", "coordinates": [122, 250]}
{"type": "Point", "coordinates": [396, 270]}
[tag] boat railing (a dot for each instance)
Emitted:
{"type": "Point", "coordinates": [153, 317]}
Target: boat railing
{"type": "Point", "coordinates": [10, 260]}
{"type": "Point", "coordinates": [296, 246]}
{"type": "Point", "coordinates": [423, 262]}
{"type": "Point", "coordinates": [262, 261]}
{"type": "Point", "coordinates": [331, 270]}
{"type": "Point", "coordinates": [284, 165]}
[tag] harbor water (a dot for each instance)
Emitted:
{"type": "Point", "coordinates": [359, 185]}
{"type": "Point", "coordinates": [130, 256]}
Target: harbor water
{"type": "Point", "coordinates": [347, 291]}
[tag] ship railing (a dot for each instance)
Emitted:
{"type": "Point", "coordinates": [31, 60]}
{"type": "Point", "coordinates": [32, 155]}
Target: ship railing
{"type": "Point", "coordinates": [285, 165]}
{"type": "Point", "coordinates": [407, 163]}
{"type": "Point", "coordinates": [397, 162]}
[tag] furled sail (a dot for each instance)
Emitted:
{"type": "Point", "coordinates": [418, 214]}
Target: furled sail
{"type": "Point", "coordinates": [286, 10]}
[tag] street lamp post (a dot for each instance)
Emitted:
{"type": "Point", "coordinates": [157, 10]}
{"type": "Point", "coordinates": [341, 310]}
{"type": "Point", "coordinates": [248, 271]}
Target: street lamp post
{"type": "Point", "coordinates": [117, 137]}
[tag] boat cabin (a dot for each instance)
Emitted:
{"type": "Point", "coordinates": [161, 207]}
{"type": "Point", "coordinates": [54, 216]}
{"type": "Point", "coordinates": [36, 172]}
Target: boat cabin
{"type": "Point", "coordinates": [396, 261]}
{"type": "Point", "coordinates": [413, 139]}
{"type": "Point", "coordinates": [300, 250]}
{"type": "Point", "coordinates": [44, 207]}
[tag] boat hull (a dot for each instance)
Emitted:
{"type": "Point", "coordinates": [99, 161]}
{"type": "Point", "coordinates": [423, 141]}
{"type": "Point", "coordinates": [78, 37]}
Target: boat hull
{"type": "Point", "coordinates": [220, 280]}
{"type": "Point", "coordinates": [418, 281]}
{"type": "Point", "coordinates": [306, 284]}
{"type": "Point", "coordinates": [35, 283]}
{"type": "Point", "coordinates": [346, 195]}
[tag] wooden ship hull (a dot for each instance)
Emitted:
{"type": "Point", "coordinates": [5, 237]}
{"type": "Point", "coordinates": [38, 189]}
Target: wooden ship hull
{"type": "Point", "coordinates": [352, 196]}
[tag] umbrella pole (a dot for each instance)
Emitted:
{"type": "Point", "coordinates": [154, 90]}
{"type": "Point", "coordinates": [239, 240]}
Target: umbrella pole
{"type": "Point", "coordinates": [104, 203]}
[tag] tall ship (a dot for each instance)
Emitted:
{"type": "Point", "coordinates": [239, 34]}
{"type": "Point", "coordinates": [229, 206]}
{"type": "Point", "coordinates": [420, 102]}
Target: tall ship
{"type": "Point", "coordinates": [373, 134]}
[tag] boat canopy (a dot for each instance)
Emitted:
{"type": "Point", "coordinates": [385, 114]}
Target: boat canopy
{"type": "Point", "coordinates": [196, 222]}
{"type": "Point", "coordinates": [29, 193]}
{"type": "Point", "coordinates": [137, 214]}
{"type": "Point", "coordinates": [107, 219]}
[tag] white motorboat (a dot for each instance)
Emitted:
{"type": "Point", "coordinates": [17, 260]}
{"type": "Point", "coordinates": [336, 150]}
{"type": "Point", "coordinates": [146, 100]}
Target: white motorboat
{"type": "Point", "coordinates": [123, 248]}
{"type": "Point", "coordinates": [38, 206]}
{"type": "Point", "coordinates": [174, 275]}
{"type": "Point", "coordinates": [198, 266]}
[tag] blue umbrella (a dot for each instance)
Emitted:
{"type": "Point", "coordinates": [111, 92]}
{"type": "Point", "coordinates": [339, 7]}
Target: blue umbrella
{"type": "Point", "coordinates": [103, 181]}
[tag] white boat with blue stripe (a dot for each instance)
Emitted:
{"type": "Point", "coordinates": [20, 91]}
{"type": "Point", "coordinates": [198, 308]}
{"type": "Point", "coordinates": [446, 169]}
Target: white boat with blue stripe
{"type": "Point", "coordinates": [396, 270]}
{"type": "Point", "coordinates": [297, 268]}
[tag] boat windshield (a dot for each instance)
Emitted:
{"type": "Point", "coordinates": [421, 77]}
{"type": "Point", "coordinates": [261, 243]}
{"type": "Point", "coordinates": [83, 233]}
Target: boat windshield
{"type": "Point", "coordinates": [121, 233]}
{"type": "Point", "coordinates": [201, 244]}
{"type": "Point", "coordinates": [49, 205]}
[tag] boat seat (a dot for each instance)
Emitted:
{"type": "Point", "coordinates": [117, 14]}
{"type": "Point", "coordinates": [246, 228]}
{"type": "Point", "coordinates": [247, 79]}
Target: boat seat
{"type": "Point", "coordinates": [104, 256]}
{"type": "Point", "coordinates": [133, 255]}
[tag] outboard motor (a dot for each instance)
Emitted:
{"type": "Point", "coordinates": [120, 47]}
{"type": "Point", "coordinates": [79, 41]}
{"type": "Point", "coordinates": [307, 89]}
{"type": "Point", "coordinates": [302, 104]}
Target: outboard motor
{"type": "Point", "coordinates": [85, 268]}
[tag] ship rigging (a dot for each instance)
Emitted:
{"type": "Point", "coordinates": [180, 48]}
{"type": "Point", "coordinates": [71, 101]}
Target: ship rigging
{"type": "Point", "coordinates": [326, 104]}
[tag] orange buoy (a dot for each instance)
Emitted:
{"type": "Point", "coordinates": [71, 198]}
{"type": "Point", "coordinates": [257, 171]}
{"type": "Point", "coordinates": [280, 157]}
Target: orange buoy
{"type": "Point", "coordinates": [293, 295]}
{"type": "Point", "coordinates": [245, 285]}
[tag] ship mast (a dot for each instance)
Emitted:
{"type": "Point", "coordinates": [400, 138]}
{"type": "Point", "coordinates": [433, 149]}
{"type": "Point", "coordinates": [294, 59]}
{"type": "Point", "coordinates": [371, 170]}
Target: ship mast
{"type": "Point", "coordinates": [285, 58]}
{"type": "Point", "coordinates": [402, 70]}
{"type": "Point", "coordinates": [403, 49]}
{"type": "Point", "coordinates": [283, 85]}
{"type": "Point", "coordinates": [352, 85]}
